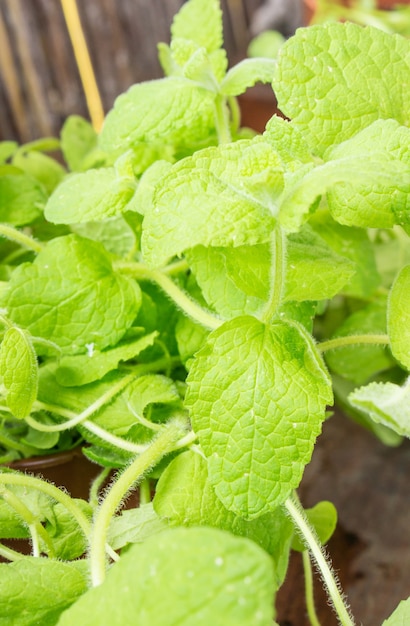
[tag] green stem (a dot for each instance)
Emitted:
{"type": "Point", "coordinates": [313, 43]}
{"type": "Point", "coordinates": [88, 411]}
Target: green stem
{"type": "Point", "coordinates": [90, 410]}
{"type": "Point", "coordinates": [235, 113]}
{"type": "Point", "coordinates": [34, 525]}
{"type": "Point", "coordinates": [21, 238]}
{"type": "Point", "coordinates": [145, 491]}
{"type": "Point", "coordinates": [24, 480]}
{"type": "Point", "coordinates": [350, 340]}
{"type": "Point", "coordinates": [312, 542]}
{"type": "Point", "coordinates": [278, 271]}
{"type": "Point", "coordinates": [222, 120]}
{"type": "Point", "coordinates": [188, 306]}
{"type": "Point", "coordinates": [96, 486]}
{"type": "Point", "coordinates": [160, 446]}
{"type": "Point", "coordinates": [9, 553]}
{"type": "Point", "coordinates": [310, 601]}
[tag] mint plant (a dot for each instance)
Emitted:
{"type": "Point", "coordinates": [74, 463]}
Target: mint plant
{"type": "Point", "coordinates": [188, 300]}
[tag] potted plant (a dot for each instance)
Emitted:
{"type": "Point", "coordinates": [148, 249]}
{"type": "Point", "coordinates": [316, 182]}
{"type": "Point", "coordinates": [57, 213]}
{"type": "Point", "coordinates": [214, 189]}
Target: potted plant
{"type": "Point", "coordinates": [190, 301]}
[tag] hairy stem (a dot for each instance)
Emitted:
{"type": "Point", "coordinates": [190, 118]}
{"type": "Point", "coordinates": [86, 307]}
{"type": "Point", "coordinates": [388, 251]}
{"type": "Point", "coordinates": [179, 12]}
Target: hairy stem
{"type": "Point", "coordinates": [9, 553]}
{"type": "Point", "coordinates": [160, 446]}
{"type": "Point", "coordinates": [16, 235]}
{"type": "Point", "coordinates": [310, 601]}
{"type": "Point", "coordinates": [50, 490]}
{"type": "Point", "coordinates": [278, 270]}
{"type": "Point", "coordinates": [309, 537]}
{"type": "Point", "coordinates": [350, 340]}
{"type": "Point", "coordinates": [182, 300]}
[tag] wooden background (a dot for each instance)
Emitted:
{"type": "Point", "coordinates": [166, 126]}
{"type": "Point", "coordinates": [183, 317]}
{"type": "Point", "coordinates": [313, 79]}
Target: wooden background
{"type": "Point", "coordinates": [39, 80]}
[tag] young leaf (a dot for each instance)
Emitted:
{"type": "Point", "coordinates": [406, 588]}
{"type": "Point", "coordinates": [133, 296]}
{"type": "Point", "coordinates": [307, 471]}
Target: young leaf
{"type": "Point", "coordinates": [200, 21]}
{"type": "Point", "coordinates": [43, 168]}
{"type": "Point", "coordinates": [201, 575]}
{"type": "Point", "coordinates": [401, 616]}
{"type": "Point", "coordinates": [398, 317]}
{"type": "Point", "coordinates": [75, 296]}
{"type": "Point", "coordinates": [323, 518]}
{"type": "Point", "coordinates": [246, 74]}
{"type": "Point", "coordinates": [81, 369]}
{"type": "Point", "coordinates": [90, 196]}
{"type": "Point", "coordinates": [37, 590]}
{"type": "Point", "coordinates": [185, 497]}
{"type": "Point", "coordinates": [346, 78]}
{"type": "Point", "coordinates": [257, 396]}
{"type": "Point", "coordinates": [7, 149]}
{"type": "Point", "coordinates": [169, 112]}
{"type": "Point", "coordinates": [19, 371]}
{"type": "Point", "coordinates": [220, 196]}
{"type": "Point", "coordinates": [385, 403]}
{"type": "Point", "coordinates": [114, 233]}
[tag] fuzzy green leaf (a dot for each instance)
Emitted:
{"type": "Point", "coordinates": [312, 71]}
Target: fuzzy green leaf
{"type": "Point", "coordinates": [86, 368]}
{"type": "Point", "coordinates": [75, 298]}
{"type": "Point", "coordinates": [90, 196]}
{"type": "Point", "coordinates": [37, 590]}
{"type": "Point", "coordinates": [398, 317]}
{"type": "Point", "coordinates": [47, 171]}
{"type": "Point", "coordinates": [246, 74]}
{"type": "Point", "coordinates": [257, 396]}
{"type": "Point", "coordinates": [200, 21]}
{"type": "Point", "coordinates": [333, 80]}
{"type": "Point", "coordinates": [185, 497]}
{"type": "Point", "coordinates": [169, 112]}
{"type": "Point", "coordinates": [228, 583]}
{"type": "Point", "coordinates": [134, 526]}
{"type": "Point", "coordinates": [19, 371]}
{"type": "Point", "coordinates": [385, 403]}
{"type": "Point", "coordinates": [220, 196]}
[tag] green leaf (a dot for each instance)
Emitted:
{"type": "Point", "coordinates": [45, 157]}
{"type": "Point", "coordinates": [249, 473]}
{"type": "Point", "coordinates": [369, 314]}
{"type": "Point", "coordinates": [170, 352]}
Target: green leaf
{"type": "Point", "coordinates": [314, 271]}
{"type": "Point", "coordinates": [257, 396]}
{"type": "Point", "coordinates": [246, 74]}
{"type": "Point", "coordinates": [79, 144]}
{"type": "Point", "coordinates": [11, 524]}
{"type": "Point", "coordinates": [7, 149]}
{"type": "Point", "coordinates": [267, 44]}
{"type": "Point", "coordinates": [401, 616]}
{"type": "Point", "coordinates": [75, 298]}
{"type": "Point", "coordinates": [22, 197]}
{"type": "Point", "coordinates": [382, 199]}
{"type": "Point", "coordinates": [385, 403]}
{"type": "Point", "coordinates": [219, 288]}
{"type": "Point", "coordinates": [359, 362]}
{"type": "Point", "coordinates": [366, 180]}
{"type": "Point", "coordinates": [200, 21]}
{"type": "Point", "coordinates": [220, 196]}
{"type": "Point", "coordinates": [114, 233]}
{"type": "Point", "coordinates": [354, 244]}
{"type": "Point", "coordinates": [169, 112]}
{"type": "Point", "coordinates": [335, 79]}
{"type": "Point", "coordinates": [37, 590]}
{"type": "Point", "coordinates": [43, 168]}
{"type": "Point", "coordinates": [196, 575]}
{"type": "Point", "coordinates": [19, 371]}
{"type": "Point", "coordinates": [323, 518]}
{"type": "Point", "coordinates": [90, 196]}
{"type": "Point", "coordinates": [185, 497]}
{"type": "Point", "coordinates": [135, 526]}
{"type": "Point", "coordinates": [67, 537]}
{"type": "Point", "coordinates": [85, 368]}
{"type": "Point", "coordinates": [398, 317]}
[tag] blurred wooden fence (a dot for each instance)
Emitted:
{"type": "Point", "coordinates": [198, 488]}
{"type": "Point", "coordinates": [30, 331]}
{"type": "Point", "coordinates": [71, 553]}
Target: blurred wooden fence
{"type": "Point", "coordinates": [39, 79]}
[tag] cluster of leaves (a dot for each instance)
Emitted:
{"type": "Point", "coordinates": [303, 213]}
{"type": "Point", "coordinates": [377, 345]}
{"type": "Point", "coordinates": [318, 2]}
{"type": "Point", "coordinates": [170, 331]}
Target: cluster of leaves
{"type": "Point", "coordinates": [170, 301]}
